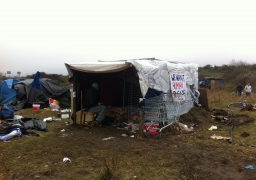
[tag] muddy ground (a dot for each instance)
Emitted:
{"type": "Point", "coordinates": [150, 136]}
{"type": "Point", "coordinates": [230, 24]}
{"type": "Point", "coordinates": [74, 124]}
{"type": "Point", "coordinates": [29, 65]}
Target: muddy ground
{"type": "Point", "coordinates": [174, 156]}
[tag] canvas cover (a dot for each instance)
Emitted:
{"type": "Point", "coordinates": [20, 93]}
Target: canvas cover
{"type": "Point", "coordinates": [97, 67]}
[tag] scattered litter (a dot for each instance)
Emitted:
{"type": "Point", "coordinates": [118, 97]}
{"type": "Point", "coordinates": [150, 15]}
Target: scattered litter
{"type": "Point", "coordinates": [46, 166]}
{"type": "Point", "coordinates": [64, 116]}
{"type": "Point", "coordinates": [56, 119]}
{"type": "Point", "coordinates": [65, 110]}
{"type": "Point", "coordinates": [132, 136]}
{"type": "Point", "coordinates": [124, 135]}
{"type": "Point", "coordinates": [65, 159]}
{"type": "Point", "coordinates": [63, 130]}
{"type": "Point", "coordinates": [219, 137]}
{"type": "Point", "coordinates": [248, 167]}
{"type": "Point", "coordinates": [17, 117]}
{"type": "Point", "coordinates": [47, 119]}
{"type": "Point", "coordinates": [178, 128]}
{"type": "Point", "coordinates": [104, 139]}
{"type": "Point", "coordinates": [135, 177]}
{"type": "Point", "coordinates": [212, 127]}
{"type": "Point", "coordinates": [54, 106]}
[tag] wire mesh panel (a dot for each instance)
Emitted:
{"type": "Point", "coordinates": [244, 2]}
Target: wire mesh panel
{"type": "Point", "coordinates": [161, 109]}
{"type": "Point", "coordinates": [133, 100]}
{"type": "Point", "coordinates": [154, 109]}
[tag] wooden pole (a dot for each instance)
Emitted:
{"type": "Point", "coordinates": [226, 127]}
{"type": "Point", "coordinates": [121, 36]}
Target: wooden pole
{"type": "Point", "coordinates": [73, 116]}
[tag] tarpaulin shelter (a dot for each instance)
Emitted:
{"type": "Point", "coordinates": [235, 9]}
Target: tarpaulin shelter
{"type": "Point", "coordinates": [127, 82]}
{"type": "Point", "coordinates": [28, 91]}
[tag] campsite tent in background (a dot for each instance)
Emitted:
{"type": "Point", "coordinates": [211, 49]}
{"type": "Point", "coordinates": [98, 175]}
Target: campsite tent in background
{"type": "Point", "coordinates": [26, 92]}
{"type": "Point", "coordinates": [125, 82]}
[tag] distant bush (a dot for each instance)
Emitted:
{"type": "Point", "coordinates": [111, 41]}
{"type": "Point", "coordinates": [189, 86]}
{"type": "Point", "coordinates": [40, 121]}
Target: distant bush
{"type": "Point", "coordinates": [234, 73]}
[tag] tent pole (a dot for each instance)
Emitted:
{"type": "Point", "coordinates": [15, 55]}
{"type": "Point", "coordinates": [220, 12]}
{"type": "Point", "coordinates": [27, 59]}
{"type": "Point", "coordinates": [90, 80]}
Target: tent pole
{"type": "Point", "coordinates": [124, 90]}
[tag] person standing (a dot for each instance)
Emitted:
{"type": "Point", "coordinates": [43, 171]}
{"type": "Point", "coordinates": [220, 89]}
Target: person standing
{"type": "Point", "coordinates": [91, 104]}
{"type": "Point", "coordinates": [248, 90]}
{"type": "Point", "coordinates": [239, 89]}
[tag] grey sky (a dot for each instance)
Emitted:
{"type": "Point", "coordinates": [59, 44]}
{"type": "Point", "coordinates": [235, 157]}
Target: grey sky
{"type": "Point", "coordinates": [43, 35]}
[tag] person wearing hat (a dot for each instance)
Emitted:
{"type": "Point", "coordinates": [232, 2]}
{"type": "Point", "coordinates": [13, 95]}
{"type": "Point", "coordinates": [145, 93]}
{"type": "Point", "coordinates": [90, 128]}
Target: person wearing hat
{"type": "Point", "coordinates": [91, 103]}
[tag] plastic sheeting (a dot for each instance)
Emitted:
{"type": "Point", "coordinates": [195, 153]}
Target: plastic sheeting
{"type": "Point", "coordinates": [155, 74]}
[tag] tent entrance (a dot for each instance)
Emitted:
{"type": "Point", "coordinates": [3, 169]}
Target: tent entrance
{"type": "Point", "coordinates": [118, 90]}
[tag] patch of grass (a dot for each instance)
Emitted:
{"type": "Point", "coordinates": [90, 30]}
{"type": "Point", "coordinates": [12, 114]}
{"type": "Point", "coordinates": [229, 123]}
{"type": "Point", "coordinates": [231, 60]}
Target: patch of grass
{"type": "Point", "coordinates": [109, 171]}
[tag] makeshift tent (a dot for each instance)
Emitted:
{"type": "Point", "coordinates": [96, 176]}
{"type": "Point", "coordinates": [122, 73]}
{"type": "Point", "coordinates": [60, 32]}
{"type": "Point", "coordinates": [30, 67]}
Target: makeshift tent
{"type": "Point", "coordinates": [127, 82]}
{"type": "Point", "coordinates": [28, 91]}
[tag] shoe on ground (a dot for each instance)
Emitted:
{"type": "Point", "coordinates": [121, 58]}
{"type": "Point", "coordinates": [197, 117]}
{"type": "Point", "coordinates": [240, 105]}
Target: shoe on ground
{"type": "Point", "coordinates": [97, 124]}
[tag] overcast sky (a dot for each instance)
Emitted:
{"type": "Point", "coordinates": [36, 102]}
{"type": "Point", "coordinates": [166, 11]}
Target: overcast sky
{"type": "Point", "coordinates": [41, 35]}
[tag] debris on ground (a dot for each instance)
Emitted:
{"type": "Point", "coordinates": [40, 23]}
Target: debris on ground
{"type": "Point", "coordinates": [212, 127]}
{"type": "Point", "coordinates": [249, 167]}
{"type": "Point", "coordinates": [220, 115]}
{"type": "Point", "coordinates": [65, 159]}
{"type": "Point", "coordinates": [219, 137]}
{"type": "Point", "coordinates": [104, 139]}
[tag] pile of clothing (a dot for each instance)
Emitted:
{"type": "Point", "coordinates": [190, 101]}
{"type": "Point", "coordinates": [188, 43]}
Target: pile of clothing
{"type": "Point", "coordinates": [11, 127]}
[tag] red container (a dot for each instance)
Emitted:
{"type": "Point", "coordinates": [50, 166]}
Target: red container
{"type": "Point", "coordinates": [152, 132]}
{"type": "Point", "coordinates": [36, 107]}
{"type": "Point", "coordinates": [150, 128]}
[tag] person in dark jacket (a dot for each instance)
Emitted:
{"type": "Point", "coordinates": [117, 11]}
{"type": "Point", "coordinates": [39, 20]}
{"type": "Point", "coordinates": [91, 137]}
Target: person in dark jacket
{"type": "Point", "coordinates": [239, 89]}
{"type": "Point", "coordinates": [91, 103]}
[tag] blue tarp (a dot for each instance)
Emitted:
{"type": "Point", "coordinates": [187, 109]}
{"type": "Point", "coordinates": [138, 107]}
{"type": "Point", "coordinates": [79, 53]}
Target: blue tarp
{"type": "Point", "coordinates": [7, 93]}
{"type": "Point", "coordinates": [36, 83]}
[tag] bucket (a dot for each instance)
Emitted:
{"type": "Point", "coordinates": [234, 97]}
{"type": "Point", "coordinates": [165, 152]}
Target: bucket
{"type": "Point", "coordinates": [36, 107]}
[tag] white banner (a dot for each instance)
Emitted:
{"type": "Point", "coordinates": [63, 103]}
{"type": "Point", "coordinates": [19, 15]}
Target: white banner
{"type": "Point", "coordinates": [178, 86]}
